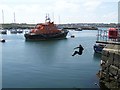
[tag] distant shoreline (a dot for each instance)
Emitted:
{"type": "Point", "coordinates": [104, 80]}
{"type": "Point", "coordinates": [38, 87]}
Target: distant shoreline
{"type": "Point", "coordinates": [83, 26]}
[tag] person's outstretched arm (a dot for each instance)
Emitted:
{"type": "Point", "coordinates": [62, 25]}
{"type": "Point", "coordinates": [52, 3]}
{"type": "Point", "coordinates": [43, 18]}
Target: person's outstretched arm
{"type": "Point", "coordinates": [76, 47]}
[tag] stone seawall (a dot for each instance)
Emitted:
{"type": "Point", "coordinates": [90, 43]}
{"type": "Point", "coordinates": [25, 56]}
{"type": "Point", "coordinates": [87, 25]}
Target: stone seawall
{"type": "Point", "coordinates": [110, 66]}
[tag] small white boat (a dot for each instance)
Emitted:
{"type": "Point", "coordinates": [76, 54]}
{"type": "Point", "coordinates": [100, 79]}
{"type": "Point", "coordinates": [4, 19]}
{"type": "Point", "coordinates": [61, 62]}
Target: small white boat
{"type": "Point", "coordinates": [13, 31]}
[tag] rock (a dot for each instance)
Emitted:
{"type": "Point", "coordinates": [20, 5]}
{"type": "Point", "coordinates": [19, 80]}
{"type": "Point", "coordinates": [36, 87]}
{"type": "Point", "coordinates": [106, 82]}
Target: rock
{"type": "Point", "coordinates": [113, 70]}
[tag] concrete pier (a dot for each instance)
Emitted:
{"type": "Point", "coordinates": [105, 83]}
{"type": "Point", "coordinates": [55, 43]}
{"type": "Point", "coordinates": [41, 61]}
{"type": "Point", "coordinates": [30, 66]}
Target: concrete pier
{"type": "Point", "coordinates": [110, 66]}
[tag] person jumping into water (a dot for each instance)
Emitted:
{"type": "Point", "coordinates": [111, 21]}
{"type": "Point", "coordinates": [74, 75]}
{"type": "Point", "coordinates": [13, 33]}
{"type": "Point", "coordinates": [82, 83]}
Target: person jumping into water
{"type": "Point", "coordinates": [80, 50]}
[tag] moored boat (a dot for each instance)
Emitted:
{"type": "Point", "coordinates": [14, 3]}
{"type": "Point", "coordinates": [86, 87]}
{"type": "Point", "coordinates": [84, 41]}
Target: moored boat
{"type": "Point", "coordinates": [19, 31]}
{"type": "Point", "coordinates": [98, 48]}
{"type": "Point", "coordinates": [46, 31]}
{"type": "Point", "coordinates": [14, 31]}
{"type": "Point", "coordinates": [3, 32]}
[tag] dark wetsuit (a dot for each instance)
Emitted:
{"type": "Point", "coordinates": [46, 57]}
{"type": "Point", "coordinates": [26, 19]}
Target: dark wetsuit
{"type": "Point", "coordinates": [80, 50]}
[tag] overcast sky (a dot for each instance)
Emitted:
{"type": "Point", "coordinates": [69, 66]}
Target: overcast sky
{"type": "Point", "coordinates": [61, 11]}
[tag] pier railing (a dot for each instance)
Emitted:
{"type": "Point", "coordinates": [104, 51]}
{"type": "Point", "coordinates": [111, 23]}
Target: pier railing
{"type": "Point", "coordinates": [103, 37]}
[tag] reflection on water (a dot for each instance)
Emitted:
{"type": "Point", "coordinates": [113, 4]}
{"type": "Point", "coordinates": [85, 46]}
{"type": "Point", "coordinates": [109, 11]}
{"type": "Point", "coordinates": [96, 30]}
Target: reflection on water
{"type": "Point", "coordinates": [97, 56]}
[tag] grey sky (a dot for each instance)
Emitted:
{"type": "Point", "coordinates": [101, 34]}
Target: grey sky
{"type": "Point", "coordinates": [61, 11]}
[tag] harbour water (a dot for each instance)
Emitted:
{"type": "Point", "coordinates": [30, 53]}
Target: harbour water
{"type": "Point", "coordinates": [50, 64]}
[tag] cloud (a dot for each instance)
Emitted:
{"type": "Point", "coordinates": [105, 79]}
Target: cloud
{"type": "Point", "coordinates": [65, 6]}
{"type": "Point", "coordinates": [34, 11]}
{"type": "Point", "coordinates": [112, 16]}
{"type": "Point", "coordinates": [91, 6]}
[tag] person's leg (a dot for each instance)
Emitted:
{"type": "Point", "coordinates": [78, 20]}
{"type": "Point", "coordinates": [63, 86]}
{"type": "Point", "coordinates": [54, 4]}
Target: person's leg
{"type": "Point", "coordinates": [75, 53]}
{"type": "Point", "coordinates": [80, 53]}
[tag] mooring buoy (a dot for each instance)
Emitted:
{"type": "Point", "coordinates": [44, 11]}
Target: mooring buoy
{"type": "Point", "coordinates": [2, 40]}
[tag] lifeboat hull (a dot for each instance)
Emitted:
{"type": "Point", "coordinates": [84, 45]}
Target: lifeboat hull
{"type": "Point", "coordinates": [61, 35]}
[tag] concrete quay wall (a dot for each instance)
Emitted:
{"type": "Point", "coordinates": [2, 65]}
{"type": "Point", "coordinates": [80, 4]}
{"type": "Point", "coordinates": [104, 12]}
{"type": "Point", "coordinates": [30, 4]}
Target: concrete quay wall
{"type": "Point", "coordinates": [110, 66]}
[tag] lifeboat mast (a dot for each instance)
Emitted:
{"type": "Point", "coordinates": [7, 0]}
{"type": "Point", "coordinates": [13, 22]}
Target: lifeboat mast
{"type": "Point", "coordinates": [47, 18]}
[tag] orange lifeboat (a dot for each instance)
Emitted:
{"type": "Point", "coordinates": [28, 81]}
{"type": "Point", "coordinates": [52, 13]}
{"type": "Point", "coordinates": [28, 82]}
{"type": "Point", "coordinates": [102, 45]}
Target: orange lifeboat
{"type": "Point", "coordinates": [113, 33]}
{"type": "Point", "coordinates": [45, 31]}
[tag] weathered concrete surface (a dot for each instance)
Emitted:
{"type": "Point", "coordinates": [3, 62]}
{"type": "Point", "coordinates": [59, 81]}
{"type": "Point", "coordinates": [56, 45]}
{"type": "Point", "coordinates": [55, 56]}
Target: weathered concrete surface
{"type": "Point", "coordinates": [110, 67]}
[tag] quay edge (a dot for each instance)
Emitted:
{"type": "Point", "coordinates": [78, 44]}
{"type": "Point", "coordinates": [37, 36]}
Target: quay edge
{"type": "Point", "coordinates": [110, 67]}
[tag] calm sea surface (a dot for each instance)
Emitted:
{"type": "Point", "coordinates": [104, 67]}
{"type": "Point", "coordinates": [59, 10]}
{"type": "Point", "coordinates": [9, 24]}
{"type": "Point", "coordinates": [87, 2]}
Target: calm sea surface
{"type": "Point", "coordinates": [49, 64]}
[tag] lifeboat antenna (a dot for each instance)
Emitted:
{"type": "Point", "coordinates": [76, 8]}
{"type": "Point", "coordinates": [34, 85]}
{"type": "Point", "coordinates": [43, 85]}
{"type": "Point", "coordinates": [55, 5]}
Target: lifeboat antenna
{"type": "Point", "coordinates": [59, 19]}
{"type": "Point", "coordinates": [3, 16]}
{"type": "Point", "coordinates": [14, 18]}
{"type": "Point", "coordinates": [53, 16]}
{"type": "Point", "coordinates": [46, 18]}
